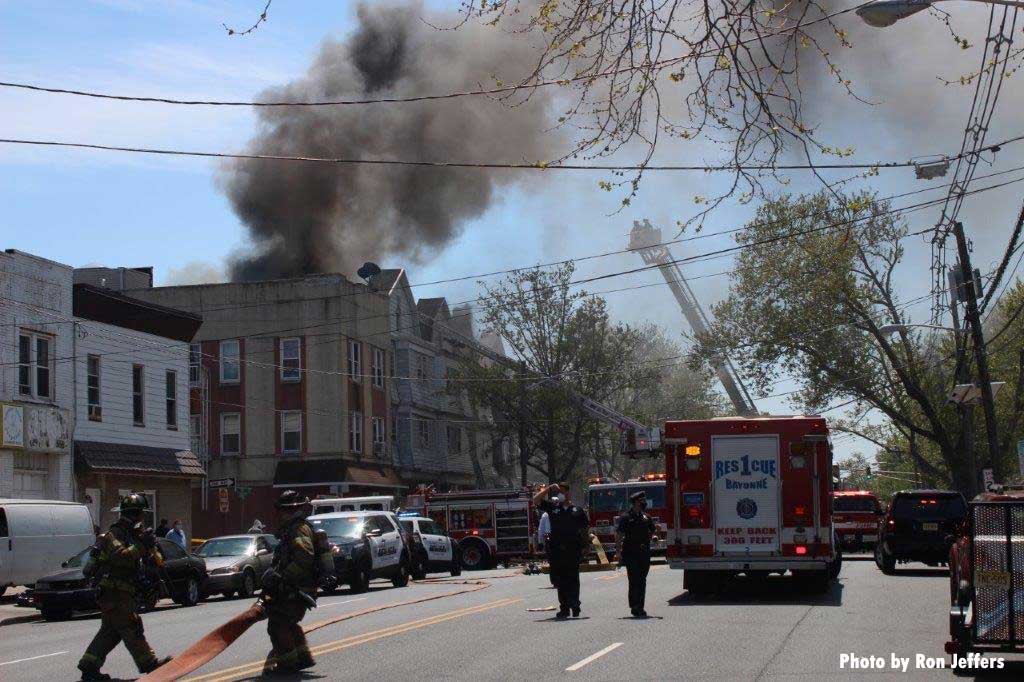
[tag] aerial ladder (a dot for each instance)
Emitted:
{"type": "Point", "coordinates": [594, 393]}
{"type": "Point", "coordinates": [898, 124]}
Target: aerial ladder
{"type": "Point", "coordinates": [645, 239]}
{"type": "Point", "coordinates": [635, 439]}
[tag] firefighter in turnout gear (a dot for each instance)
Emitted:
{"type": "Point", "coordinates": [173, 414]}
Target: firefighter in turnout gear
{"type": "Point", "coordinates": [569, 537]}
{"type": "Point", "coordinates": [117, 564]}
{"type": "Point", "coordinates": [289, 587]}
{"type": "Point", "coordinates": [633, 532]}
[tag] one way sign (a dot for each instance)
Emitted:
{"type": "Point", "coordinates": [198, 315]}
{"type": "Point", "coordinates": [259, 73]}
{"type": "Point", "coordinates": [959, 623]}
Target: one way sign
{"type": "Point", "coordinates": [222, 483]}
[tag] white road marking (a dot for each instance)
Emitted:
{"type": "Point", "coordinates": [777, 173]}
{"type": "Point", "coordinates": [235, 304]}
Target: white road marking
{"type": "Point", "coordinates": [593, 657]}
{"type": "Point", "coordinates": [22, 660]}
{"type": "Point", "coordinates": [339, 603]}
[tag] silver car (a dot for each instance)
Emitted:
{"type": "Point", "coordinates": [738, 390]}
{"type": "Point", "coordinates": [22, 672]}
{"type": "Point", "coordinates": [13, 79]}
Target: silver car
{"type": "Point", "coordinates": [236, 563]}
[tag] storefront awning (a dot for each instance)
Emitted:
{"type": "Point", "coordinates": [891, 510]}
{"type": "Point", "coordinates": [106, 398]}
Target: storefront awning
{"type": "Point", "coordinates": [136, 459]}
{"type": "Point", "coordinates": [304, 473]}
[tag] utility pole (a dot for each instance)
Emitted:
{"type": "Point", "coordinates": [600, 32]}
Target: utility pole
{"type": "Point", "coordinates": [523, 455]}
{"type": "Point", "coordinates": [978, 339]}
{"type": "Point", "coordinates": [963, 376]}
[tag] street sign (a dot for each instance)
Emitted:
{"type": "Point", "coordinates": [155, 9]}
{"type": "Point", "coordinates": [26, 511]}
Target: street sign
{"type": "Point", "coordinates": [987, 478]}
{"type": "Point", "coordinates": [221, 483]}
{"type": "Point", "coordinates": [222, 493]}
{"type": "Point", "coordinates": [243, 491]}
{"type": "Point", "coordinates": [224, 505]}
{"type": "Point", "coordinates": [1020, 456]}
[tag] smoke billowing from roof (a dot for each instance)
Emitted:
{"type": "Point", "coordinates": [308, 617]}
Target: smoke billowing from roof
{"type": "Point", "coordinates": [308, 217]}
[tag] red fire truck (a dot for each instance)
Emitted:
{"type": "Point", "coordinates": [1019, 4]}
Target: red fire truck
{"type": "Point", "coordinates": [489, 525]}
{"type": "Point", "coordinates": [855, 514]}
{"type": "Point", "coordinates": [607, 499]}
{"type": "Point", "coordinates": [750, 495]}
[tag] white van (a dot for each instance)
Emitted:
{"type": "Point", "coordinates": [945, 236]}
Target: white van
{"type": "Point", "coordinates": [328, 505]}
{"type": "Point", "coordinates": [36, 536]}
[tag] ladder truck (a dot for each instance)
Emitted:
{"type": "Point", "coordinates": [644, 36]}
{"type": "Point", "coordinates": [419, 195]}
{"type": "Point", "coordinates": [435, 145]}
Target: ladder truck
{"type": "Point", "coordinates": [645, 239]}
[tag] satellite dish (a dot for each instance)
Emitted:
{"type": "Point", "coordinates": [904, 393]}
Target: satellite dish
{"type": "Point", "coordinates": [368, 271]}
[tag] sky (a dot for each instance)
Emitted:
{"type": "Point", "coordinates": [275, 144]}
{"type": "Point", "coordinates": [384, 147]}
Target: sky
{"type": "Point", "coordinates": [89, 208]}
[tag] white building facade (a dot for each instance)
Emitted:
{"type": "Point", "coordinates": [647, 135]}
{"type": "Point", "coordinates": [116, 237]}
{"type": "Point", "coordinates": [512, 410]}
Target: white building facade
{"type": "Point", "coordinates": [36, 378]}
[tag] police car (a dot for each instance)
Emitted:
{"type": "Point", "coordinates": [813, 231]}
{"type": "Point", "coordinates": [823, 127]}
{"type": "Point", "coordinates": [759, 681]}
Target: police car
{"type": "Point", "coordinates": [366, 545]}
{"type": "Point", "coordinates": [432, 550]}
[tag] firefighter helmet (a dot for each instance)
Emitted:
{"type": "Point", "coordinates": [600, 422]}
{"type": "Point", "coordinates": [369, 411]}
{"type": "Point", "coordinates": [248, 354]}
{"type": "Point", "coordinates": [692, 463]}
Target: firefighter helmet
{"type": "Point", "coordinates": [290, 499]}
{"type": "Point", "coordinates": [133, 502]}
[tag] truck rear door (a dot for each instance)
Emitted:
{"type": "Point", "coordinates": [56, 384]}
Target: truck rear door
{"type": "Point", "coordinates": [746, 494]}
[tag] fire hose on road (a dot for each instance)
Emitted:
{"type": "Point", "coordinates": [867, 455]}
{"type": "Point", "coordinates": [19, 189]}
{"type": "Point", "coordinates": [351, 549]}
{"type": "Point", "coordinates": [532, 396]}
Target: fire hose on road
{"type": "Point", "coordinates": [214, 643]}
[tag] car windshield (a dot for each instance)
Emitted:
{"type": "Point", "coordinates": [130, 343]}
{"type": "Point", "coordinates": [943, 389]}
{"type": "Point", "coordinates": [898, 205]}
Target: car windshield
{"type": "Point", "coordinates": [609, 499]}
{"type": "Point", "coordinates": [80, 559]}
{"type": "Point", "coordinates": [850, 503]}
{"type": "Point", "coordinates": [345, 527]}
{"type": "Point", "coordinates": [929, 508]}
{"type": "Point", "coordinates": [226, 547]}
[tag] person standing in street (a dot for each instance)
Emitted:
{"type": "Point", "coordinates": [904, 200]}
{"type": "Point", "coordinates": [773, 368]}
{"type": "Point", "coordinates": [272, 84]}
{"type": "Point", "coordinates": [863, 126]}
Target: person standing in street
{"type": "Point", "coordinates": [569, 534]}
{"type": "Point", "coordinates": [289, 585]}
{"type": "Point", "coordinates": [633, 533]}
{"type": "Point", "coordinates": [117, 558]}
{"type": "Point", "coordinates": [176, 534]}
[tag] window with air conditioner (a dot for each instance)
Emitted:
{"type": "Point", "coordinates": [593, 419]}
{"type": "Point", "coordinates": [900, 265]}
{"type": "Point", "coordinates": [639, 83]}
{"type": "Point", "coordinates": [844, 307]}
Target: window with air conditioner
{"type": "Point", "coordinates": [230, 433]}
{"type": "Point", "coordinates": [291, 431]}
{"type": "Point", "coordinates": [291, 359]}
{"type": "Point", "coordinates": [355, 432]}
{"type": "Point", "coordinates": [92, 372]}
{"type": "Point", "coordinates": [35, 365]}
{"type": "Point", "coordinates": [230, 362]}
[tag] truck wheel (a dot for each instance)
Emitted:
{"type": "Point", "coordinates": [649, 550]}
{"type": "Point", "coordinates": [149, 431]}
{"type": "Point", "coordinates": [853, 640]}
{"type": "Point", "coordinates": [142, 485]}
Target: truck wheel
{"type": "Point", "coordinates": [475, 555]}
{"type": "Point", "coordinates": [885, 561]}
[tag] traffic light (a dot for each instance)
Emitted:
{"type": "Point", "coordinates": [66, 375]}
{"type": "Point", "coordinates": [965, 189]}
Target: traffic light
{"type": "Point", "coordinates": [867, 470]}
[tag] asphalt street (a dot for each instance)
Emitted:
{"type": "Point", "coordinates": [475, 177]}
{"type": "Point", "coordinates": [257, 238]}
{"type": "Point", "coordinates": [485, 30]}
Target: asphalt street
{"type": "Point", "coordinates": [759, 631]}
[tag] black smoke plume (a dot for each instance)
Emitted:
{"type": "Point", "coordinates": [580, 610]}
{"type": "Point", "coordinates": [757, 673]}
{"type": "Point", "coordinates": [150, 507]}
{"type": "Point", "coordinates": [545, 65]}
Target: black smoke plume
{"type": "Point", "coordinates": [310, 217]}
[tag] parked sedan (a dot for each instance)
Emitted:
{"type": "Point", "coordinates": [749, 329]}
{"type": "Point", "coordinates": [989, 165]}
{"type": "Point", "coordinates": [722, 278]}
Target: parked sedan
{"type": "Point", "coordinates": [236, 563]}
{"type": "Point", "coordinates": [57, 596]}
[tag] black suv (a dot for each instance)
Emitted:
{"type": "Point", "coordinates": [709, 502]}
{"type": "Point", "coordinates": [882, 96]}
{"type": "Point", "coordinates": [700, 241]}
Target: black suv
{"type": "Point", "coordinates": [919, 526]}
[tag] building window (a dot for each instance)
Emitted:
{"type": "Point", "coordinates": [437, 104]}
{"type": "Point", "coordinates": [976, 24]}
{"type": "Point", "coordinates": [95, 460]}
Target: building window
{"type": "Point", "coordinates": [291, 361]}
{"type": "Point", "coordinates": [355, 360]}
{"type": "Point", "coordinates": [423, 433]}
{"type": "Point", "coordinates": [92, 371]}
{"type": "Point", "coordinates": [394, 428]}
{"type": "Point", "coordinates": [195, 427]}
{"type": "Point", "coordinates": [291, 431]}
{"type": "Point", "coordinates": [230, 433]}
{"type": "Point", "coordinates": [34, 365]}
{"type": "Point", "coordinates": [378, 430]}
{"type": "Point", "coordinates": [138, 396]}
{"type": "Point", "coordinates": [377, 367]}
{"type": "Point", "coordinates": [355, 432]}
{"type": "Point", "coordinates": [171, 382]}
{"type": "Point", "coordinates": [421, 367]}
{"type": "Point", "coordinates": [195, 355]}
{"type": "Point", "coordinates": [229, 362]}
{"type": "Point", "coordinates": [454, 440]}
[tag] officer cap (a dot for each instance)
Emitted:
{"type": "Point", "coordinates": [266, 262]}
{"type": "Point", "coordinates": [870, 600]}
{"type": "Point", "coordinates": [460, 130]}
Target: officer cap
{"type": "Point", "coordinates": [290, 499]}
{"type": "Point", "coordinates": [638, 496]}
{"type": "Point", "coordinates": [133, 502]}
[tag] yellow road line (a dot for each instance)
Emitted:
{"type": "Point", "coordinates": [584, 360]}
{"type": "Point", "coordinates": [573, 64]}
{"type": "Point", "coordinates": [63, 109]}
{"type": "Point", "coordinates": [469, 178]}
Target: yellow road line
{"type": "Point", "coordinates": [257, 666]}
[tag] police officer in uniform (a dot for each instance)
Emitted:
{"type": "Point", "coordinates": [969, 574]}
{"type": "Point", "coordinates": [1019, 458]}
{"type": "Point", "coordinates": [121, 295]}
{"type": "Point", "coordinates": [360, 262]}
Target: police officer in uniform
{"type": "Point", "coordinates": [633, 533]}
{"type": "Point", "coordinates": [570, 532]}
{"type": "Point", "coordinates": [117, 561]}
{"type": "Point", "coordinates": [289, 586]}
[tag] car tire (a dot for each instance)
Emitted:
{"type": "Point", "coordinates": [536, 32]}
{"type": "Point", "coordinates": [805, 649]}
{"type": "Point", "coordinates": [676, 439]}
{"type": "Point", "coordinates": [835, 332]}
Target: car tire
{"type": "Point", "coordinates": [886, 562]}
{"type": "Point", "coordinates": [475, 555]}
{"type": "Point", "coordinates": [190, 594]}
{"type": "Point", "coordinates": [360, 581]}
{"type": "Point", "coordinates": [419, 571]}
{"type": "Point", "coordinates": [401, 578]}
{"type": "Point", "coordinates": [456, 568]}
{"type": "Point", "coordinates": [56, 614]}
{"type": "Point", "coordinates": [248, 586]}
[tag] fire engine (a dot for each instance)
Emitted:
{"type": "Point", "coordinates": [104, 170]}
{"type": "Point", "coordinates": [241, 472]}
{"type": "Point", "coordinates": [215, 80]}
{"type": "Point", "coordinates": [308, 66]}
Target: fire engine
{"type": "Point", "coordinates": [489, 525]}
{"type": "Point", "coordinates": [607, 499]}
{"type": "Point", "coordinates": [855, 514]}
{"type": "Point", "coordinates": [750, 495]}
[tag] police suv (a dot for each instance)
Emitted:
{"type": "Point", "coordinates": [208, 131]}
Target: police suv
{"type": "Point", "coordinates": [366, 545]}
{"type": "Point", "coordinates": [432, 549]}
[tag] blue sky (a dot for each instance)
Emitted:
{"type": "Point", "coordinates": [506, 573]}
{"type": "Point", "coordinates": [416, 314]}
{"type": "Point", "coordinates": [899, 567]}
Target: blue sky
{"type": "Point", "coordinates": [100, 208]}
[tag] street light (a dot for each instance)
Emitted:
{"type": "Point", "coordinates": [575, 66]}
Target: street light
{"type": "Point", "coordinates": [887, 12]}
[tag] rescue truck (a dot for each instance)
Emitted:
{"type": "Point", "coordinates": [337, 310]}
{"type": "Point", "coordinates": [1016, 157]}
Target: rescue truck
{"type": "Point", "coordinates": [855, 514]}
{"type": "Point", "coordinates": [750, 495]}
{"type": "Point", "coordinates": [489, 525]}
{"type": "Point", "coordinates": [986, 576]}
{"type": "Point", "coordinates": [606, 500]}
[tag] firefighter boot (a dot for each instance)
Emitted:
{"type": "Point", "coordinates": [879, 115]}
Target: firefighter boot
{"type": "Point", "coordinates": [305, 659]}
{"type": "Point", "coordinates": [154, 664]}
{"type": "Point", "coordinates": [90, 667]}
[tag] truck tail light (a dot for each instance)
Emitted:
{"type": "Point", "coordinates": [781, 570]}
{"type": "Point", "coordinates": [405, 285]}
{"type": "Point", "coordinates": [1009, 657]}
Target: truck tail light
{"type": "Point", "coordinates": [801, 550]}
{"type": "Point", "coordinates": [892, 524]}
